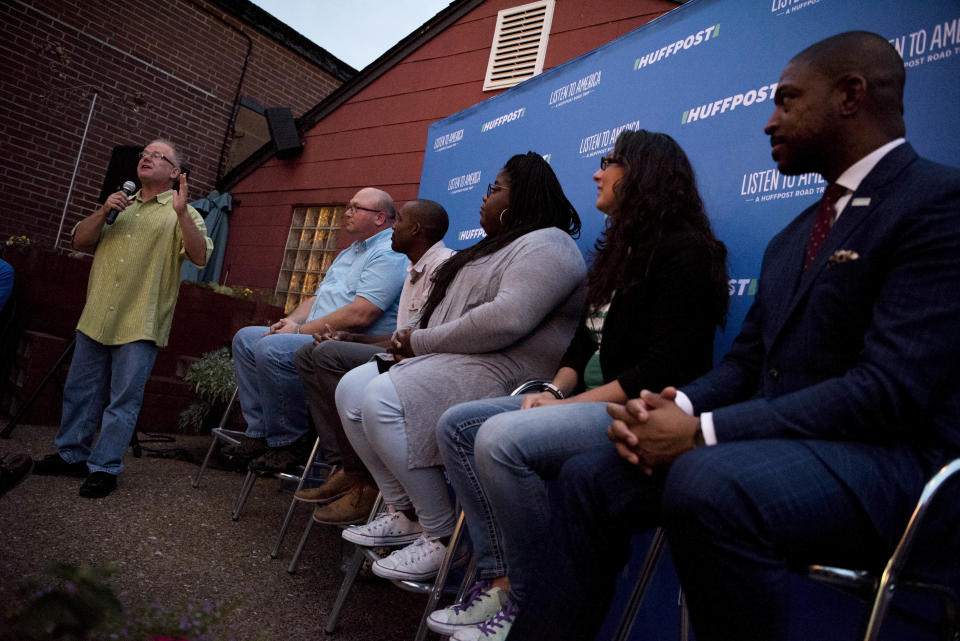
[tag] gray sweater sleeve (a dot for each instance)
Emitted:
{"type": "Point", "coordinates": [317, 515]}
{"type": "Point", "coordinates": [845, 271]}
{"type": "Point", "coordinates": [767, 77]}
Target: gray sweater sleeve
{"type": "Point", "coordinates": [539, 271]}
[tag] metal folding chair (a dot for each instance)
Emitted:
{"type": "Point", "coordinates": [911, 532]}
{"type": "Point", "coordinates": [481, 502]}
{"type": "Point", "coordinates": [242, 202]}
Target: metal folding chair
{"type": "Point", "coordinates": [882, 589]}
{"type": "Point", "coordinates": [217, 434]}
{"type": "Point", "coordinates": [654, 552]}
{"type": "Point", "coordinates": [433, 589]}
{"type": "Point", "coordinates": [294, 503]}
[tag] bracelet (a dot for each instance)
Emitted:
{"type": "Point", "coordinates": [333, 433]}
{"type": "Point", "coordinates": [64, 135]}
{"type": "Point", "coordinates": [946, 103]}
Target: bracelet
{"type": "Point", "coordinates": [298, 328]}
{"type": "Point", "coordinates": [553, 389]}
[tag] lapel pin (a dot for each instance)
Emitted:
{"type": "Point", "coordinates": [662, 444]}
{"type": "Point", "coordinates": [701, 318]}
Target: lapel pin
{"type": "Point", "coordinates": [860, 202]}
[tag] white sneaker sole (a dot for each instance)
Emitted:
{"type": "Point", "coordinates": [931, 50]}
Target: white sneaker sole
{"type": "Point", "coordinates": [366, 540]}
{"type": "Point", "coordinates": [400, 575]}
{"type": "Point", "coordinates": [446, 629]}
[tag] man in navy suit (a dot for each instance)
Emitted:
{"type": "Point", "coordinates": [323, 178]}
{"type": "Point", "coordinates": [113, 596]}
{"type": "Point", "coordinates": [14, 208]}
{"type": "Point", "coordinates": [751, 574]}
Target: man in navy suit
{"type": "Point", "coordinates": [811, 440]}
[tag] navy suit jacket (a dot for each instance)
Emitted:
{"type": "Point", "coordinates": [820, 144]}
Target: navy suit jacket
{"type": "Point", "coordinates": [859, 355]}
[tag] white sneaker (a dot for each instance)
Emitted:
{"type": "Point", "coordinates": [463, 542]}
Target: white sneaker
{"type": "Point", "coordinates": [494, 629]}
{"type": "Point", "coordinates": [418, 561]}
{"type": "Point", "coordinates": [390, 528]}
{"type": "Point", "coordinates": [480, 603]}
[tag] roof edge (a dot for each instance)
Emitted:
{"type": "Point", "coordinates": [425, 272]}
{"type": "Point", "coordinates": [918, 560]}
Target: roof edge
{"type": "Point", "coordinates": [423, 34]}
{"type": "Point", "coordinates": [264, 22]}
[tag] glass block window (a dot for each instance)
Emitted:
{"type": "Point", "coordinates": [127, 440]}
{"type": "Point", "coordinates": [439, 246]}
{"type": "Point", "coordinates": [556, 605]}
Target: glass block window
{"type": "Point", "coordinates": [310, 250]}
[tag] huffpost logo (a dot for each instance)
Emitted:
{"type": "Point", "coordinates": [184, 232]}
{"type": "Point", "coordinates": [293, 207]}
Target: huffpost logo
{"type": "Point", "coordinates": [742, 286]}
{"type": "Point", "coordinates": [682, 44]}
{"type": "Point", "coordinates": [722, 105]}
{"type": "Point", "coordinates": [505, 118]}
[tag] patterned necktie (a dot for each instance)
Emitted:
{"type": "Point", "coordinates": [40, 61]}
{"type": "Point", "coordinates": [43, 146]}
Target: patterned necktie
{"type": "Point", "coordinates": [826, 212]}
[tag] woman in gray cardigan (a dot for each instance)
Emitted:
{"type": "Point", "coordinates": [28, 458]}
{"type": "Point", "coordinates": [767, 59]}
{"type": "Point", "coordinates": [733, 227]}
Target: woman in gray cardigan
{"type": "Point", "coordinates": [500, 312]}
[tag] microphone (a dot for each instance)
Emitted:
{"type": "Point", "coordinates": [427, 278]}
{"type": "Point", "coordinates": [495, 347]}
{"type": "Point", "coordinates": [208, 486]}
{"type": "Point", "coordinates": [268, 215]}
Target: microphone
{"type": "Point", "coordinates": [128, 188]}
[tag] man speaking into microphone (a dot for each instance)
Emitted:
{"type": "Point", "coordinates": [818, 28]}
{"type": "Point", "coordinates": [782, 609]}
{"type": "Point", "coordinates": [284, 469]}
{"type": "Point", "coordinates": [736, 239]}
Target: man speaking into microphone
{"type": "Point", "coordinates": [131, 293]}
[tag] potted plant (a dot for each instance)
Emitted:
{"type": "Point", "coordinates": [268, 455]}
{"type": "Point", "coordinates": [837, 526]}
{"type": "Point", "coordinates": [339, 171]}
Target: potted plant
{"type": "Point", "coordinates": [213, 378]}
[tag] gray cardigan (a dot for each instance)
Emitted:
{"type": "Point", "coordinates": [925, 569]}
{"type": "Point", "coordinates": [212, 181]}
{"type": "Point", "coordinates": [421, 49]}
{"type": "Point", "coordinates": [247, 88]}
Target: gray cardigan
{"type": "Point", "coordinates": [506, 318]}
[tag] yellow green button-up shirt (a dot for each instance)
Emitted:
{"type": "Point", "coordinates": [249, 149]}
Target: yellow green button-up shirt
{"type": "Point", "coordinates": [135, 277]}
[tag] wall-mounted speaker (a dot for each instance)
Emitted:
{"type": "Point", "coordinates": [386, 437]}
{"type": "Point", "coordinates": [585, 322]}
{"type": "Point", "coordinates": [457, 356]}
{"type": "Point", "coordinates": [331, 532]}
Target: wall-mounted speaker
{"type": "Point", "coordinates": [283, 131]}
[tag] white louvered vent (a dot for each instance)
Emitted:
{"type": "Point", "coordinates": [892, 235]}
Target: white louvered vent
{"type": "Point", "coordinates": [519, 44]}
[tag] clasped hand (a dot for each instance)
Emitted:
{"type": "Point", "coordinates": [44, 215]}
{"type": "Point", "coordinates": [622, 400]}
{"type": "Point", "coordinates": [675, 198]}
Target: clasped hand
{"type": "Point", "coordinates": [540, 399]}
{"type": "Point", "coordinates": [331, 333]}
{"type": "Point", "coordinates": [283, 326]}
{"type": "Point", "coordinates": [651, 430]}
{"type": "Point", "coordinates": [400, 345]}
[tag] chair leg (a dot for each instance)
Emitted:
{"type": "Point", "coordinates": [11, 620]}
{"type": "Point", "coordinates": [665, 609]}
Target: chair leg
{"type": "Point", "coordinates": [292, 568]}
{"type": "Point", "coordinates": [216, 436]}
{"type": "Point", "coordinates": [352, 571]}
{"type": "Point", "coordinates": [206, 459]}
{"type": "Point", "coordinates": [438, 583]}
{"type": "Point", "coordinates": [879, 610]}
{"type": "Point", "coordinates": [684, 618]}
{"type": "Point", "coordinates": [640, 589]}
{"type": "Point", "coordinates": [469, 577]}
{"type": "Point", "coordinates": [244, 493]}
{"type": "Point", "coordinates": [293, 503]}
{"type": "Point", "coordinates": [275, 552]}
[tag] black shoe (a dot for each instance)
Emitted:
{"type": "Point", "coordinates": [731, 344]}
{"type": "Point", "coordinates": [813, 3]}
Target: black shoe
{"type": "Point", "coordinates": [53, 465]}
{"type": "Point", "coordinates": [13, 470]}
{"type": "Point", "coordinates": [277, 459]}
{"type": "Point", "coordinates": [98, 485]}
{"type": "Point", "coordinates": [247, 448]}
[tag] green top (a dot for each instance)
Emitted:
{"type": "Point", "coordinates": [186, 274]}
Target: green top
{"type": "Point", "coordinates": [592, 374]}
{"type": "Point", "coordinates": [135, 277]}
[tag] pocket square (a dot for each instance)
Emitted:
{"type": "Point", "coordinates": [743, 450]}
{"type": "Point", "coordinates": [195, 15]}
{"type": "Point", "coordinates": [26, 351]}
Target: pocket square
{"type": "Point", "coordinates": [843, 256]}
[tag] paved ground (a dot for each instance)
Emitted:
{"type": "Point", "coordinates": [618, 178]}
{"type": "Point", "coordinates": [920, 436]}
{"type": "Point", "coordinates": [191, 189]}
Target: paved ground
{"type": "Point", "coordinates": [177, 545]}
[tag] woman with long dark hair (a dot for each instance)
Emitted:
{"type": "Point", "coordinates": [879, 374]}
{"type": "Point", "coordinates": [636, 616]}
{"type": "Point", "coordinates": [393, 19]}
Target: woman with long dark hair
{"type": "Point", "coordinates": [499, 313]}
{"type": "Point", "coordinates": [657, 292]}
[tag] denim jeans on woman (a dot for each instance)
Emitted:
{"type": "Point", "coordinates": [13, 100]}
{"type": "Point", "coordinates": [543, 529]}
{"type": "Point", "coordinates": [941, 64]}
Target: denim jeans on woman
{"type": "Point", "coordinates": [498, 459]}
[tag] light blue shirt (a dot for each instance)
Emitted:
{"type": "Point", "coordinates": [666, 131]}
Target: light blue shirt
{"type": "Point", "coordinates": [367, 268]}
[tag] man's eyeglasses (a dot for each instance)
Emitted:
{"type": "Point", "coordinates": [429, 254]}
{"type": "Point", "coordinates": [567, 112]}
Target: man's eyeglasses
{"type": "Point", "coordinates": [355, 208]}
{"type": "Point", "coordinates": [491, 188]}
{"type": "Point", "coordinates": [606, 161]}
{"type": "Point", "coordinates": [156, 155]}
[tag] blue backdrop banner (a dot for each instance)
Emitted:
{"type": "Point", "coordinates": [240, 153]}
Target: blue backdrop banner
{"type": "Point", "coordinates": [704, 73]}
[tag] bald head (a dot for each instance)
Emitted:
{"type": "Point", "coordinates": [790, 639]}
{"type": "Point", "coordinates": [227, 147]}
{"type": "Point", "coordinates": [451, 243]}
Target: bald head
{"type": "Point", "coordinates": [376, 199]}
{"type": "Point", "coordinates": [370, 211]}
{"type": "Point", "coordinates": [870, 56]}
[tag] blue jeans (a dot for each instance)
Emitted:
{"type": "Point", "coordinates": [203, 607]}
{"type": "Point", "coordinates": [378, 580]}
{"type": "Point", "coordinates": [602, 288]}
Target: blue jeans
{"type": "Point", "coordinates": [95, 369]}
{"type": "Point", "coordinates": [498, 459]}
{"type": "Point", "coordinates": [271, 395]}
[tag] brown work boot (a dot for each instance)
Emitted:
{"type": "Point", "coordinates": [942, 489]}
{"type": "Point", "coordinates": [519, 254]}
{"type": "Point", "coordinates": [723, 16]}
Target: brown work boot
{"type": "Point", "coordinates": [353, 507]}
{"type": "Point", "coordinates": [336, 485]}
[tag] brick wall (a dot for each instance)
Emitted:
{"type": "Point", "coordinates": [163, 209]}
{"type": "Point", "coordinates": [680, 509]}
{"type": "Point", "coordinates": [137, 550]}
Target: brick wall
{"type": "Point", "coordinates": [152, 69]}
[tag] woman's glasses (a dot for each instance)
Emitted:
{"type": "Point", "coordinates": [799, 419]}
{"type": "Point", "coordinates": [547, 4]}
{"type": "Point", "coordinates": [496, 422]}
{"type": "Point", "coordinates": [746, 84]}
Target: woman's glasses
{"type": "Point", "coordinates": [606, 161]}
